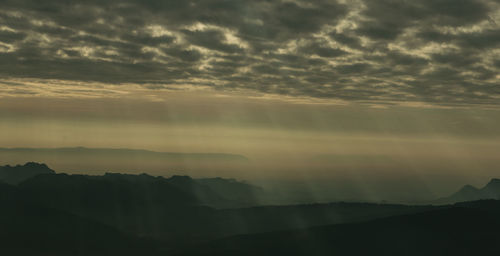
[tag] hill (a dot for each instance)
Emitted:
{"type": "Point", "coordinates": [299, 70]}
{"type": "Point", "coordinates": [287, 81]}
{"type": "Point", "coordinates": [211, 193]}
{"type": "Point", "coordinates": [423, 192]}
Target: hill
{"type": "Point", "coordinates": [179, 206]}
{"type": "Point", "coordinates": [471, 193]}
{"type": "Point", "coordinates": [215, 192]}
{"type": "Point", "coordinates": [235, 191]}
{"type": "Point", "coordinates": [140, 205]}
{"type": "Point", "coordinates": [182, 212]}
{"type": "Point", "coordinates": [173, 208]}
{"type": "Point", "coordinates": [443, 231]}
{"type": "Point", "coordinates": [16, 174]}
{"type": "Point", "coordinates": [30, 229]}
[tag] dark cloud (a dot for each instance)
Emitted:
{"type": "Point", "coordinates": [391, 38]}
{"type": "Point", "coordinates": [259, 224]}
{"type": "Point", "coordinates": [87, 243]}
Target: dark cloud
{"type": "Point", "coordinates": [184, 54]}
{"type": "Point", "coordinates": [400, 59]}
{"type": "Point", "coordinates": [456, 58]}
{"type": "Point", "coordinates": [496, 63]}
{"type": "Point", "coordinates": [382, 30]}
{"type": "Point", "coordinates": [485, 39]}
{"type": "Point", "coordinates": [357, 68]}
{"type": "Point", "coordinates": [347, 40]}
{"type": "Point", "coordinates": [322, 50]}
{"type": "Point", "coordinates": [11, 37]}
{"type": "Point", "coordinates": [211, 39]}
{"type": "Point", "coordinates": [386, 19]}
{"type": "Point", "coordinates": [457, 12]}
{"type": "Point", "coordinates": [141, 38]}
{"type": "Point", "coordinates": [430, 50]}
{"type": "Point", "coordinates": [488, 38]}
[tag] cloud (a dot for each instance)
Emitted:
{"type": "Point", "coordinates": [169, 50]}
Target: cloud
{"type": "Point", "coordinates": [211, 39]}
{"type": "Point", "coordinates": [7, 36]}
{"type": "Point", "coordinates": [436, 51]}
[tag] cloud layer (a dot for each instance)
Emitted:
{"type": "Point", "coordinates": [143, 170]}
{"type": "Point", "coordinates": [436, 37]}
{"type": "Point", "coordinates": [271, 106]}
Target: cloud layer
{"type": "Point", "coordinates": [438, 51]}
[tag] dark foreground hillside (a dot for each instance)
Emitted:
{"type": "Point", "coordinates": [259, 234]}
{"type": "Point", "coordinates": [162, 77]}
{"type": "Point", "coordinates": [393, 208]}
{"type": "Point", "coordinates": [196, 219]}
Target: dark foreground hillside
{"type": "Point", "coordinates": [27, 229]}
{"type": "Point", "coordinates": [44, 213]}
{"type": "Point", "coordinates": [179, 208]}
{"type": "Point", "coordinates": [451, 231]}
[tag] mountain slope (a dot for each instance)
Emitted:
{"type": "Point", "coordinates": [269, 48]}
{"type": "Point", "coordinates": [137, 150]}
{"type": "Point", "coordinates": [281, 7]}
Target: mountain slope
{"type": "Point", "coordinates": [16, 174]}
{"type": "Point", "coordinates": [470, 193]}
{"type": "Point", "coordinates": [177, 207]}
{"type": "Point", "coordinates": [204, 193]}
{"type": "Point", "coordinates": [273, 218]}
{"type": "Point", "coordinates": [446, 231]}
{"type": "Point", "coordinates": [236, 191]}
{"type": "Point", "coordinates": [136, 205]}
{"type": "Point", "coordinates": [139, 204]}
{"type": "Point", "coordinates": [29, 229]}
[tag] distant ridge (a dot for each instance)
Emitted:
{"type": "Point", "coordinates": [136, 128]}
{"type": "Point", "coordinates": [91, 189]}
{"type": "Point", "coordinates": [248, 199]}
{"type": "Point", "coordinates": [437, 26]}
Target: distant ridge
{"type": "Point", "coordinates": [78, 159]}
{"type": "Point", "coordinates": [76, 150]}
{"type": "Point", "coordinates": [471, 193]}
{"type": "Point", "coordinates": [225, 193]}
{"type": "Point", "coordinates": [16, 174]}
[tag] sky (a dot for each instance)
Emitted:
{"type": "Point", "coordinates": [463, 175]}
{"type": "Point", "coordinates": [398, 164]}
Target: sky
{"type": "Point", "coordinates": [370, 91]}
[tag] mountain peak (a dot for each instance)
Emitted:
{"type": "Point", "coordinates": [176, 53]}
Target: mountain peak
{"type": "Point", "coordinates": [36, 165]}
{"type": "Point", "coordinates": [19, 173]}
{"type": "Point", "coordinates": [494, 182]}
{"type": "Point", "coordinates": [471, 193]}
{"type": "Point", "coordinates": [468, 188]}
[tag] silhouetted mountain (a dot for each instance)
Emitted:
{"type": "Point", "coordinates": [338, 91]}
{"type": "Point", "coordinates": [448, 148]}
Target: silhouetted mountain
{"type": "Point", "coordinates": [200, 189]}
{"type": "Point", "coordinates": [129, 160]}
{"type": "Point", "coordinates": [447, 231]}
{"type": "Point", "coordinates": [462, 229]}
{"type": "Point", "coordinates": [169, 208]}
{"type": "Point", "coordinates": [470, 193]}
{"type": "Point", "coordinates": [6, 191]}
{"type": "Point", "coordinates": [489, 205]}
{"type": "Point", "coordinates": [182, 213]}
{"type": "Point", "coordinates": [492, 189]}
{"type": "Point", "coordinates": [15, 174]}
{"type": "Point", "coordinates": [204, 193]}
{"type": "Point", "coordinates": [139, 204]}
{"type": "Point", "coordinates": [236, 191]}
{"type": "Point", "coordinates": [219, 192]}
{"type": "Point", "coordinates": [134, 204]}
{"type": "Point", "coordinates": [27, 229]}
{"type": "Point", "coordinates": [272, 218]}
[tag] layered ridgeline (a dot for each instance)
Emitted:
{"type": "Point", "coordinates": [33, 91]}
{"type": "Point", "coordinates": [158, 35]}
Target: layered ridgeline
{"type": "Point", "coordinates": [28, 228]}
{"type": "Point", "coordinates": [462, 229]}
{"type": "Point", "coordinates": [51, 153]}
{"type": "Point", "coordinates": [214, 192]}
{"type": "Point", "coordinates": [179, 206]}
{"type": "Point", "coordinates": [16, 174]}
{"type": "Point", "coordinates": [91, 160]}
{"type": "Point", "coordinates": [471, 193]}
{"type": "Point", "coordinates": [49, 213]}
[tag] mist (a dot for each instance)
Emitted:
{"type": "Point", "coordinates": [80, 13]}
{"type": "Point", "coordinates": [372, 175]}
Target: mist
{"type": "Point", "coordinates": [322, 151]}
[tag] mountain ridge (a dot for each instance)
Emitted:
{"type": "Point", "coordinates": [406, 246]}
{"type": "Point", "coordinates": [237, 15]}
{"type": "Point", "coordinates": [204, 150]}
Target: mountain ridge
{"type": "Point", "coordinates": [438, 231]}
{"type": "Point", "coordinates": [204, 191]}
{"type": "Point", "coordinates": [127, 150]}
{"type": "Point", "coordinates": [470, 193]}
{"type": "Point", "coordinates": [15, 174]}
